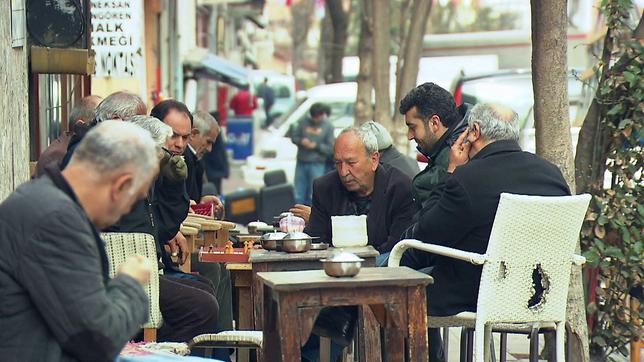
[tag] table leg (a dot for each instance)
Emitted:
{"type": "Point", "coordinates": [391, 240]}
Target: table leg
{"type": "Point", "coordinates": [257, 291]}
{"type": "Point", "coordinates": [417, 321]}
{"type": "Point", "coordinates": [368, 337]}
{"type": "Point", "coordinates": [289, 334]}
{"type": "Point", "coordinates": [395, 332]}
{"type": "Point", "coordinates": [271, 346]}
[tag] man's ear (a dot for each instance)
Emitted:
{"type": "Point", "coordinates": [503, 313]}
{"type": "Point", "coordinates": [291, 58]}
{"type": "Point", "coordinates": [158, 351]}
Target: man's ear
{"type": "Point", "coordinates": [375, 160]}
{"type": "Point", "coordinates": [474, 132]}
{"type": "Point", "coordinates": [435, 123]}
{"type": "Point", "coordinates": [121, 185]}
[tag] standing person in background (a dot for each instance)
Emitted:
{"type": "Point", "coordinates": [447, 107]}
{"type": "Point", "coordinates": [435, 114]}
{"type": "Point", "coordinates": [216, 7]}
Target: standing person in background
{"type": "Point", "coordinates": [314, 139]}
{"type": "Point", "coordinates": [79, 118]}
{"type": "Point", "coordinates": [216, 161]}
{"type": "Point", "coordinates": [265, 92]}
{"type": "Point", "coordinates": [243, 103]}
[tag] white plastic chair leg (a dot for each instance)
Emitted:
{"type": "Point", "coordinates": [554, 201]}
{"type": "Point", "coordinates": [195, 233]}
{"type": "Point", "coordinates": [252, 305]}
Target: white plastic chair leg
{"type": "Point", "coordinates": [479, 343]}
{"type": "Point", "coordinates": [561, 336]}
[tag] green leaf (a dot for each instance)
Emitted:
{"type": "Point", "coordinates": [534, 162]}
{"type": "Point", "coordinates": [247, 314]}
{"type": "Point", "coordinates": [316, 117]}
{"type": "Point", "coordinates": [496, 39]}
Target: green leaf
{"type": "Point", "coordinates": [615, 110]}
{"type": "Point", "coordinates": [630, 78]}
{"type": "Point", "coordinates": [624, 123]}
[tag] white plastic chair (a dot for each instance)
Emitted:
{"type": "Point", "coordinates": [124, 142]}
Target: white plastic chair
{"type": "Point", "coordinates": [528, 232]}
{"type": "Point", "coordinates": [119, 246]}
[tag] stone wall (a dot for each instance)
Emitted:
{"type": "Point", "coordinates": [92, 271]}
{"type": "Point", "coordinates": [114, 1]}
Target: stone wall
{"type": "Point", "coordinates": [14, 110]}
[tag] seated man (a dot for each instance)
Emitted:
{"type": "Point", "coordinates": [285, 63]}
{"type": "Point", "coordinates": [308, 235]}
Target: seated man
{"type": "Point", "coordinates": [205, 130]}
{"type": "Point", "coordinates": [362, 186]}
{"type": "Point", "coordinates": [58, 302]}
{"type": "Point", "coordinates": [485, 161]}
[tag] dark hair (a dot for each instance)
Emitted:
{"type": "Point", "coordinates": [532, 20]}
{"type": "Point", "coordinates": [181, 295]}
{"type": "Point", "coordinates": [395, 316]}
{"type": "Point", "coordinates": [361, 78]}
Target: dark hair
{"type": "Point", "coordinates": [430, 99]}
{"type": "Point", "coordinates": [162, 109]}
{"type": "Point", "coordinates": [215, 115]}
{"type": "Point", "coordinates": [318, 109]}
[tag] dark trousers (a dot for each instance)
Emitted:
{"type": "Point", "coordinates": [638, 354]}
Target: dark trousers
{"type": "Point", "coordinates": [188, 307]}
{"type": "Point", "coordinates": [222, 282]}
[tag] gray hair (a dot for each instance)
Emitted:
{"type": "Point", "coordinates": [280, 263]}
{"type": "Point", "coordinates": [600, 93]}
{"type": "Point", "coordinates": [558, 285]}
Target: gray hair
{"type": "Point", "coordinates": [84, 110]}
{"type": "Point", "coordinates": [497, 122]}
{"type": "Point", "coordinates": [383, 137]}
{"type": "Point", "coordinates": [204, 122]}
{"type": "Point", "coordinates": [159, 131]}
{"type": "Point", "coordinates": [366, 136]}
{"type": "Point", "coordinates": [112, 146]}
{"type": "Point", "coordinates": [121, 105]}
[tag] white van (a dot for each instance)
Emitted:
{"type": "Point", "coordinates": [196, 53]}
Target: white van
{"type": "Point", "coordinates": [274, 149]}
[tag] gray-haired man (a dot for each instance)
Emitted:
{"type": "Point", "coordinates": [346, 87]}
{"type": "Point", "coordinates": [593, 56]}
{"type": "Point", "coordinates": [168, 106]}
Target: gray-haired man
{"type": "Point", "coordinates": [58, 300]}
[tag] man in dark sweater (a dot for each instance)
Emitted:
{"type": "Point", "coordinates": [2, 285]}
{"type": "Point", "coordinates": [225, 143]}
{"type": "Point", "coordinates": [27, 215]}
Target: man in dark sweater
{"type": "Point", "coordinates": [314, 139]}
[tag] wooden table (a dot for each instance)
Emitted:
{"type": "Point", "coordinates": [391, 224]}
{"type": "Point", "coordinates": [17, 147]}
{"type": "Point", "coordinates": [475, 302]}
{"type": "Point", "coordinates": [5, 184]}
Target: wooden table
{"type": "Point", "coordinates": [273, 261]}
{"type": "Point", "coordinates": [292, 301]}
{"type": "Point", "coordinates": [241, 275]}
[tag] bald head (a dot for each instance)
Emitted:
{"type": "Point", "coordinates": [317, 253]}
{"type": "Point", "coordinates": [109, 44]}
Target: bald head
{"type": "Point", "coordinates": [83, 112]}
{"type": "Point", "coordinates": [120, 105]}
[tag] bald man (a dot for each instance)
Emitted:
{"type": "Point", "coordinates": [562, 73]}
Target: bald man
{"type": "Point", "coordinates": [79, 118]}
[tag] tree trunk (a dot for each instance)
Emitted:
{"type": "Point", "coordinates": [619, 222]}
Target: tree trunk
{"type": "Point", "coordinates": [324, 51]}
{"type": "Point", "coordinates": [364, 110]}
{"type": "Point", "coordinates": [381, 51]}
{"type": "Point", "coordinates": [301, 12]}
{"type": "Point", "coordinates": [408, 59]}
{"type": "Point", "coordinates": [340, 22]}
{"type": "Point", "coordinates": [552, 132]}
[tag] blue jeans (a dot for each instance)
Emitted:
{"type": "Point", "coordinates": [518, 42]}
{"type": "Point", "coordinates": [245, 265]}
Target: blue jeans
{"type": "Point", "coordinates": [305, 173]}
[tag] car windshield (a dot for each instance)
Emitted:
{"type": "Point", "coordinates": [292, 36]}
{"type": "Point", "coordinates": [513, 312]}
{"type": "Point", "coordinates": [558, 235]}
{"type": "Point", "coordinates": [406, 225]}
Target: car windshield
{"type": "Point", "coordinates": [515, 91]}
{"type": "Point", "coordinates": [280, 121]}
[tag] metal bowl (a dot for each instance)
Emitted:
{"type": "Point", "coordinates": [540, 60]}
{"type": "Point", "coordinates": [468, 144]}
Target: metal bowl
{"type": "Point", "coordinates": [270, 241]}
{"type": "Point", "coordinates": [341, 268]}
{"type": "Point", "coordinates": [255, 226]}
{"type": "Point", "coordinates": [295, 245]}
{"type": "Point", "coordinates": [319, 246]}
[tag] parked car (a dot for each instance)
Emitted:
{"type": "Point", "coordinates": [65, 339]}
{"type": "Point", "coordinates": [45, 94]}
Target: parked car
{"type": "Point", "coordinates": [274, 149]}
{"type": "Point", "coordinates": [513, 88]}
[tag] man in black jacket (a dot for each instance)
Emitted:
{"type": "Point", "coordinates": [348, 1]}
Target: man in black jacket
{"type": "Point", "coordinates": [485, 161]}
{"type": "Point", "coordinates": [205, 131]}
{"type": "Point", "coordinates": [58, 301]}
{"type": "Point", "coordinates": [361, 185]}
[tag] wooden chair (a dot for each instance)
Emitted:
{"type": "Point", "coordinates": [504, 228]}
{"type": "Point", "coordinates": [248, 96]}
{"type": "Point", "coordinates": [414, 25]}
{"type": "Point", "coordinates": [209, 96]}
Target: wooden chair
{"type": "Point", "coordinates": [120, 246]}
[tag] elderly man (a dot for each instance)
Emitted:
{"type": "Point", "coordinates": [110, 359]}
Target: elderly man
{"type": "Point", "coordinates": [58, 302]}
{"type": "Point", "coordinates": [205, 130]}
{"type": "Point", "coordinates": [118, 105]}
{"type": "Point", "coordinates": [188, 306]}
{"type": "Point", "coordinates": [389, 154]}
{"type": "Point", "coordinates": [485, 161]}
{"type": "Point", "coordinates": [83, 112]}
{"type": "Point", "coordinates": [361, 185]}
{"type": "Point", "coordinates": [434, 122]}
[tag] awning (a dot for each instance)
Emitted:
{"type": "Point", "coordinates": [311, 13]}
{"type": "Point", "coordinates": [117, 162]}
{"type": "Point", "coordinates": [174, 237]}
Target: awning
{"type": "Point", "coordinates": [207, 65]}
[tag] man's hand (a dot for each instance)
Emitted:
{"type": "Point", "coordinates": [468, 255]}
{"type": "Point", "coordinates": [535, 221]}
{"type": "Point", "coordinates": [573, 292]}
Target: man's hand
{"type": "Point", "coordinates": [459, 153]}
{"type": "Point", "coordinates": [179, 246]}
{"type": "Point", "coordinates": [308, 144]}
{"type": "Point", "coordinates": [302, 211]}
{"type": "Point", "coordinates": [218, 207]}
{"type": "Point", "coordinates": [138, 267]}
